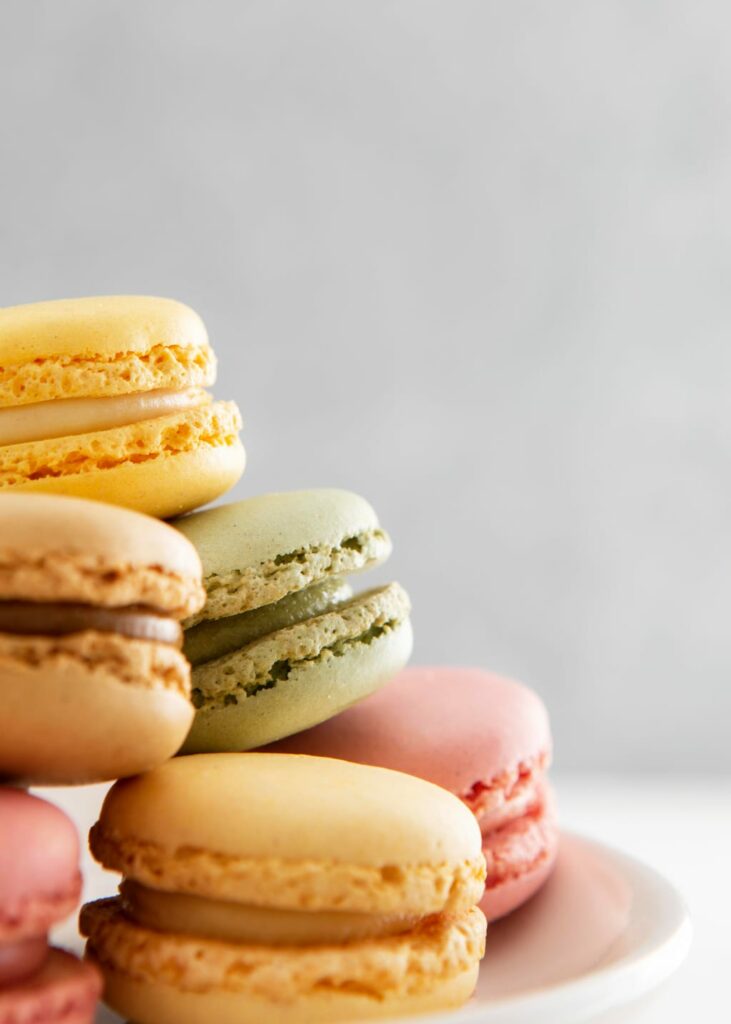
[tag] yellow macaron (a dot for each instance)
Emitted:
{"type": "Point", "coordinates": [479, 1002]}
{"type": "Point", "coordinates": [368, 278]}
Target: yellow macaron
{"type": "Point", "coordinates": [105, 398]}
{"type": "Point", "coordinates": [280, 889]}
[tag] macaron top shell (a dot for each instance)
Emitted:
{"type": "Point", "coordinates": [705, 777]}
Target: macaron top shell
{"type": "Point", "coordinates": [266, 806]}
{"type": "Point", "coordinates": [256, 551]}
{"type": "Point", "coordinates": [293, 833]}
{"type": "Point", "coordinates": [452, 726]}
{"type": "Point", "coordinates": [55, 548]}
{"type": "Point", "coordinates": [107, 345]}
{"type": "Point", "coordinates": [40, 881]}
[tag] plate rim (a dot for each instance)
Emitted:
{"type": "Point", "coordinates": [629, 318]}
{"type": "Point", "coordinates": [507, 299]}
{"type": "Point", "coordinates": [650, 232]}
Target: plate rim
{"type": "Point", "coordinates": [606, 987]}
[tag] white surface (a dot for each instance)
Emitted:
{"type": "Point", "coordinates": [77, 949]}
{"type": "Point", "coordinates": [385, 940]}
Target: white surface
{"type": "Point", "coordinates": [468, 257]}
{"type": "Point", "coordinates": [682, 828]}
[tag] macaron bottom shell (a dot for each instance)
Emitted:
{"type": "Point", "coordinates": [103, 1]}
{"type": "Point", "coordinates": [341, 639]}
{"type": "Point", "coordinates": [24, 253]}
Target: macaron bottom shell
{"type": "Point", "coordinates": [163, 486]}
{"type": "Point", "coordinates": [313, 691]}
{"type": "Point", "coordinates": [157, 978]}
{"type": "Point", "coordinates": [520, 856]}
{"type": "Point", "coordinates": [75, 722]}
{"type": "Point", "coordinates": [147, 1002]}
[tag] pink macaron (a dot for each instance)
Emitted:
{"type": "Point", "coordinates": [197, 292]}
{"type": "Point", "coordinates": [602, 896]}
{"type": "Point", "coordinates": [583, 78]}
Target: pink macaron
{"type": "Point", "coordinates": [486, 739]}
{"type": "Point", "coordinates": [40, 885]}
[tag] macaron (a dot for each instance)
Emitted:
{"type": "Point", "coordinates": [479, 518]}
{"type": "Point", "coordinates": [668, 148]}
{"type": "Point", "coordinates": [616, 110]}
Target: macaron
{"type": "Point", "coordinates": [105, 398]}
{"type": "Point", "coordinates": [281, 642]}
{"type": "Point", "coordinates": [482, 737]}
{"type": "Point", "coordinates": [284, 889]}
{"type": "Point", "coordinates": [93, 683]}
{"type": "Point", "coordinates": [40, 885]}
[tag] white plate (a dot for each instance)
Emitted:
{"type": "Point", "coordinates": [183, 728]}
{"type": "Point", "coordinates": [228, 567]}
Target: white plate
{"type": "Point", "coordinates": [603, 933]}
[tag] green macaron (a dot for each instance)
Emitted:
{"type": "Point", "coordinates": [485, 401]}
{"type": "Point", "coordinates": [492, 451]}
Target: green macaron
{"type": "Point", "coordinates": [281, 643]}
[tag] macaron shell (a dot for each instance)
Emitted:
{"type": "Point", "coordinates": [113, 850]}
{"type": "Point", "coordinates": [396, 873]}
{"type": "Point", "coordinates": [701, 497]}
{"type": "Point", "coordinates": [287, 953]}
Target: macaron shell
{"type": "Point", "coordinates": [287, 815]}
{"type": "Point", "coordinates": [425, 964]}
{"type": "Point", "coordinates": [190, 459]}
{"type": "Point", "coordinates": [98, 346]}
{"type": "Point", "coordinates": [64, 991]}
{"type": "Point", "coordinates": [514, 892]}
{"type": "Point", "coordinates": [40, 883]}
{"type": "Point", "coordinates": [77, 721]}
{"type": "Point", "coordinates": [258, 551]}
{"type": "Point", "coordinates": [452, 726]}
{"type": "Point", "coordinates": [56, 548]}
{"type": "Point", "coordinates": [520, 858]}
{"type": "Point", "coordinates": [314, 691]}
{"type": "Point", "coordinates": [147, 1002]}
{"type": "Point", "coordinates": [269, 526]}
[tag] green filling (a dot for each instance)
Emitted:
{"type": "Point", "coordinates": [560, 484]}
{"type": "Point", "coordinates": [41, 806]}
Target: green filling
{"type": "Point", "coordinates": [353, 544]}
{"type": "Point", "coordinates": [215, 638]}
{"type": "Point", "coordinates": [281, 670]}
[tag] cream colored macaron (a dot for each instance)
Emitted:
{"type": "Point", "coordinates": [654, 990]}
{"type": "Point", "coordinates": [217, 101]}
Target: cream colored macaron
{"type": "Point", "coordinates": [277, 888]}
{"type": "Point", "coordinates": [105, 398]}
{"type": "Point", "coordinates": [93, 684]}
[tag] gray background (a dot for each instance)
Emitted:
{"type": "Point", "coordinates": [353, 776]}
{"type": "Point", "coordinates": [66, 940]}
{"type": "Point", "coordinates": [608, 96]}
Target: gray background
{"type": "Point", "coordinates": [471, 259]}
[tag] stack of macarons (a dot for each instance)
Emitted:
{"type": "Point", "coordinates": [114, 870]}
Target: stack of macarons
{"type": "Point", "coordinates": [320, 852]}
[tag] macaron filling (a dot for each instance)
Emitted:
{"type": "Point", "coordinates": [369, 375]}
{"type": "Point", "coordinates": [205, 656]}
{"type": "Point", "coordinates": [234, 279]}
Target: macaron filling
{"type": "Point", "coordinates": [216, 637]}
{"type": "Point", "coordinates": [30, 618]}
{"type": "Point", "coordinates": [269, 661]}
{"type": "Point", "coordinates": [228, 921]}
{"type": "Point", "coordinates": [71, 416]}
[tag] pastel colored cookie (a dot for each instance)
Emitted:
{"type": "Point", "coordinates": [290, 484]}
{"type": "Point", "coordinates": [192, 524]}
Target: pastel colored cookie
{"type": "Point", "coordinates": [280, 889]}
{"type": "Point", "coordinates": [281, 642]}
{"type": "Point", "coordinates": [40, 885]}
{"type": "Point", "coordinates": [484, 738]}
{"type": "Point", "coordinates": [105, 398]}
{"type": "Point", "coordinates": [93, 684]}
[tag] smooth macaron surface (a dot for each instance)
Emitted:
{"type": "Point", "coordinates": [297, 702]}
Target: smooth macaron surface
{"type": "Point", "coordinates": [281, 642]}
{"type": "Point", "coordinates": [274, 807]}
{"type": "Point", "coordinates": [484, 738]}
{"type": "Point", "coordinates": [91, 672]}
{"type": "Point", "coordinates": [248, 878]}
{"type": "Point", "coordinates": [40, 882]}
{"type": "Point", "coordinates": [105, 398]}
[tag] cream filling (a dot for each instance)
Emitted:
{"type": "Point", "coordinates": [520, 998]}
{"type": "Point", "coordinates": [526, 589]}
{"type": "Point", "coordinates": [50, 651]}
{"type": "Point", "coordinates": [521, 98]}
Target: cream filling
{"type": "Point", "coordinates": [238, 922]}
{"type": "Point", "coordinates": [65, 417]}
{"type": "Point", "coordinates": [215, 638]}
